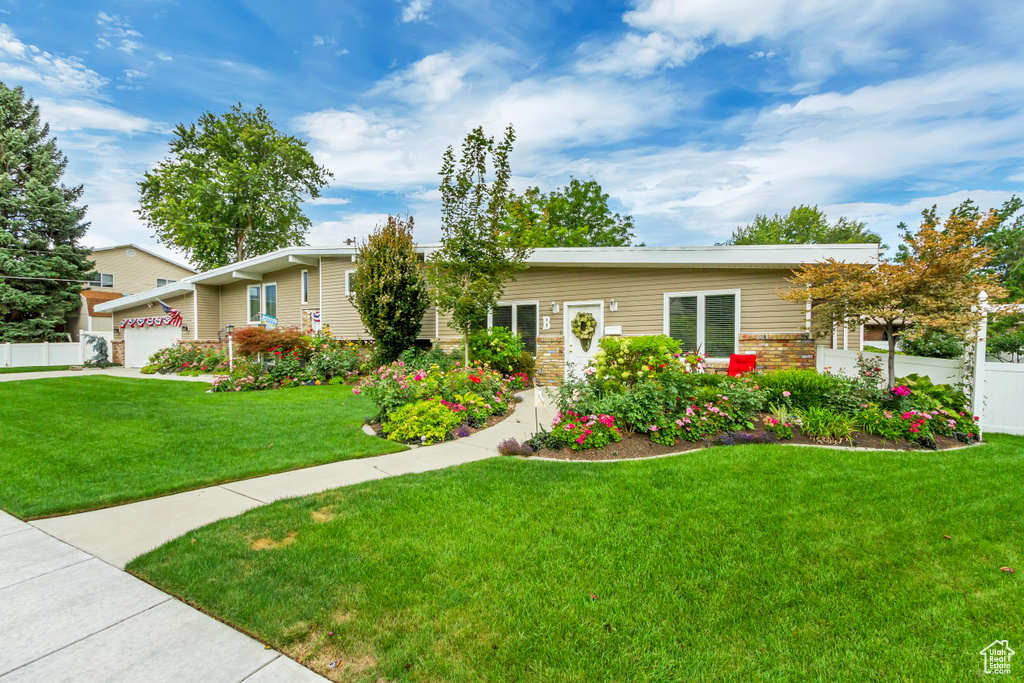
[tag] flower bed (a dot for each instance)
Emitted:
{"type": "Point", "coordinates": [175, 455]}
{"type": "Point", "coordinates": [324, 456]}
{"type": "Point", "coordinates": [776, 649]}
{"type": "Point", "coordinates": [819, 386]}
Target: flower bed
{"type": "Point", "coordinates": [426, 405]}
{"type": "Point", "coordinates": [659, 401]}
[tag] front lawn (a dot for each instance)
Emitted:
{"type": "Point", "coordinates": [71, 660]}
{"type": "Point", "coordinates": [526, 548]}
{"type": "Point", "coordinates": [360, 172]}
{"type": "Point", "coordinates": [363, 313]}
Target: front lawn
{"type": "Point", "coordinates": [740, 563]}
{"type": "Point", "coordinates": [76, 443]}
{"type": "Point", "coordinates": [34, 368]}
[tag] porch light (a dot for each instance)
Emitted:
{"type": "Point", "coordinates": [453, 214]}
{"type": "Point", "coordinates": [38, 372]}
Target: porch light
{"type": "Point", "coordinates": [554, 307]}
{"type": "Point", "coordinates": [230, 329]}
{"type": "Point", "coordinates": [613, 305]}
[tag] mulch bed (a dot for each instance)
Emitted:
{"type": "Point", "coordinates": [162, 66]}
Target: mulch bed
{"type": "Point", "coordinates": [636, 446]}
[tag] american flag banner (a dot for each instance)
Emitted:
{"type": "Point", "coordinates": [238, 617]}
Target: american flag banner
{"type": "Point", "coordinates": [173, 313]}
{"type": "Point", "coordinates": [173, 318]}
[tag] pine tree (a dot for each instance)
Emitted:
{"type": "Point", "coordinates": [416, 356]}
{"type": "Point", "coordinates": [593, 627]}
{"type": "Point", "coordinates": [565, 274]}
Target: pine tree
{"type": "Point", "coordinates": [40, 226]}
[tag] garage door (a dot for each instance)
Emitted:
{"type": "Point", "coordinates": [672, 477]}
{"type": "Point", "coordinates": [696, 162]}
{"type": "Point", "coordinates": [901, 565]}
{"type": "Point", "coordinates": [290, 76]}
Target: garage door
{"type": "Point", "coordinates": [142, 342]}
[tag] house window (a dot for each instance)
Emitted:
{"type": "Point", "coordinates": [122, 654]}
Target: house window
{"type": "Point", "coordinates": [160, 282]}
{"type": "Point", "coordinates": [350, 288]}
{"type": "Point", "coordinates": [254, 304]}
{"type": "Point", "coordinates": [305, 286]}
{"type": "Point", "coordinates": [706, 321]}
{"type": "Point", "coordinates": [520, 317]}
{"type": "Point", "coordinates": [105, 280]}
{"type": "Point", "coordinates": [270, 300]}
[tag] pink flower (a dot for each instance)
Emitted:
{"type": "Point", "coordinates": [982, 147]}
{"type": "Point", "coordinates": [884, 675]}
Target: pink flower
{"type": "Point", "coordinates": [356, 391]}
{"type": "Point", "coordinates": [786, 394]}
{"type": "Point", "coordinates": [654, 428]}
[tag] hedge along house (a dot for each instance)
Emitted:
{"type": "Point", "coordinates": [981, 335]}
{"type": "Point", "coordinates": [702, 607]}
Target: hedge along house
{"type": "Point", "coordinates": [721, 300]}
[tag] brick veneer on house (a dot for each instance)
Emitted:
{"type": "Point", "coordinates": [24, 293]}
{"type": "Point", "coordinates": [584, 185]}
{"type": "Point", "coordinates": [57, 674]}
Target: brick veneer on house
{"type": "Point", "coordinates": [550, 367]}
{"type": "Point", "coordinates": [780, 351]}
{"type": "Point", "coordinates": [117, 352]}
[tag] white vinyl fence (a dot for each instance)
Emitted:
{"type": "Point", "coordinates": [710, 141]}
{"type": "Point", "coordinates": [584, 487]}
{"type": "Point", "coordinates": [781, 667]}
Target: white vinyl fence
{"type": "Point", "coordinates": [52, 353]}
{"type": "Point", "coordinates": [1003, 382]}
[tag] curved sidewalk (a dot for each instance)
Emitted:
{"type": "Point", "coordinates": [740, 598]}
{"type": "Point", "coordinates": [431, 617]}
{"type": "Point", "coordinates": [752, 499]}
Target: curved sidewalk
{"type": "Point", "coordinates": [118, 534]}
{"type": "Point", "coordinates": [116, 371]}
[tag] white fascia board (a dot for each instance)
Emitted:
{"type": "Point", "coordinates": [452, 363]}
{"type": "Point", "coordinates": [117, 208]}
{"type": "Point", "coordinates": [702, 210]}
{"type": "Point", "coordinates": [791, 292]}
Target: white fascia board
{"type": "Point", "coordinates": [781, 255]}
{"type": "Point", "coordinates": [246, 275]}
{"type": "Point", "coordinates": [172, 289]}
{"type": "Point", "coordinates": [144, 249]}
{"type": "Point", "coordinates": [304, 260]}
{"type": "Point", "coordinates": [259, 264]}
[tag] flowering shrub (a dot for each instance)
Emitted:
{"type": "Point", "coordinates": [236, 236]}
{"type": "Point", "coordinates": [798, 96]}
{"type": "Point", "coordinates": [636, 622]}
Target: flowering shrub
{"type": "Point", "coordinates": [499, 348]}
{"type": "Point", "coordinates": [473, 393]}
{"type": "Point", "coordinates": [186, 359]}
{"type": "Point", "coordinates": [900, 391]}
{"type": "Point", "coordinates": [621, 362]}
{"type": "Point", "coordinates": [777, 428]}
{"type": "Point", "coordinates": [513, 447]}
{"type": "Point", "coordinates": [585, 431]}
{"type": "Point", "coordinates": [518, 381]}
{"type": "Point", "coordinates": [424, 422]}
{"type": "Point", "coordinates": [694, 361]}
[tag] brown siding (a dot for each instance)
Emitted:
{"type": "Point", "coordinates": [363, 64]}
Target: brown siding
{"type": "Point", "coordinates": [640, 292]}
{"type": "Point", "coordinates": [135, 274]}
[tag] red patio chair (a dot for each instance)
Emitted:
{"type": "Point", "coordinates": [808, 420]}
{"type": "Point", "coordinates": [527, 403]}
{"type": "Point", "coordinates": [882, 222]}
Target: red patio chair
{"type": "Point", "coordinates": [740, 363]}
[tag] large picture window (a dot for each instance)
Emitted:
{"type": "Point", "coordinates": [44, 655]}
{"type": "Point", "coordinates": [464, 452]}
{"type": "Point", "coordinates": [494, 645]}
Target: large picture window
{"type": "Point", "coordinates": [520, 317]}
{"type": "Point", "coordinates": [708, 321]}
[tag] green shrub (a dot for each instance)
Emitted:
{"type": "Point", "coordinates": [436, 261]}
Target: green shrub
{"type": "Point", "coordinates": [580, 432]}
{"type": "Point", "coordinates": [525, 365]}
{"type": "Point", "coordinates": [882, 423]}
{"type": "Point", "coordinates": [927, 395]}
{"type": "Point", "coordinates": [423, 422]}
{"type": "Point", "coordinates": [807, 388]}
{"type": "Point", "coordinates": [622, 362]}
{"type": "Point", "coordinates": [499, 348]}
{"type": "Point", "coordinates": [826, 425]}
{"type": "Point", "coordinates": [934, 344]}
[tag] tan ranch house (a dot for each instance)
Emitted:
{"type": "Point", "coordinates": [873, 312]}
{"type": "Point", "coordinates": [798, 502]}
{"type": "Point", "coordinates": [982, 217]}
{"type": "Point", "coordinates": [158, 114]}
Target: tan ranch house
{"type": "Point", "coordinates": [721, 299]}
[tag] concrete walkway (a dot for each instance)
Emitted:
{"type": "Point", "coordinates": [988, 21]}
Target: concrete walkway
{"type": "Point", "coordinates": [116, 371]}
{"type": "Point", "coordinates": [68, 612]}
{"type": "Point", "coordinates": [118, 534]}
{"type": "Point", "coordinates": [67, 616]}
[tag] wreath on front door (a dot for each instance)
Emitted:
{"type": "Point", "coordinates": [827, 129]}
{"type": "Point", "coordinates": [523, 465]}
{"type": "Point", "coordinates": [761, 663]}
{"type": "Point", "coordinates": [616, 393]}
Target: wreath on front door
{"type": "Point", "coordinates": [583, 326]}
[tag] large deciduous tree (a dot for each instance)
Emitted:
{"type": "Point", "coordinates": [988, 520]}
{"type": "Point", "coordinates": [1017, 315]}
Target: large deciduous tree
{"type": "Point", "coordinates": [479, 252]}
{"type": "Point", "coordinates": [577, 215]}
{"type": "Point", "coordinates": [41, 264]}
{"type": "Point", "coordinates": [934, 286]}
{"type": "Point", "coordinates": [803, 225]}
{"type": "Point", "coordinates": [232, 188]}
{"type": "Point", "coordinates": [390, 287]}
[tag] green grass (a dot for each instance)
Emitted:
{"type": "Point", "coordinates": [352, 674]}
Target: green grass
{"type": "Point", "coordinates": [76, 443]}
{"type": "Point", "coordinates": [745, 563]}
{"type": "Point", "coordinates": [34, 368]}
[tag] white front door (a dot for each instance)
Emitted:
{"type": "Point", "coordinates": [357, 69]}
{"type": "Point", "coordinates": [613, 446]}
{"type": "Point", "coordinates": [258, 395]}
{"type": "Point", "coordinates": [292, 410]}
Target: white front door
{"type": "Point", "coordinates": [576, 356]}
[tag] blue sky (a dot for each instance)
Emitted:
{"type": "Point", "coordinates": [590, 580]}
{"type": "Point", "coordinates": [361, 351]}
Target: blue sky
{"type": "Point", "coordinates": [694, 116]}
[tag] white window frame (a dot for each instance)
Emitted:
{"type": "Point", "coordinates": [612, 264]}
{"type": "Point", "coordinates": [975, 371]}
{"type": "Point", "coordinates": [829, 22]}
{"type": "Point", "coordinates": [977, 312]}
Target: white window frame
{"type": "Point", "coordinates": [348, 282]}
{"type": "Point", "coordinates": [263, 300]}
{"type": "Point", "coordinates": [515, 314]}
{"type": "Point", "coordinates": [304, 286]}
{"type": "Point", "coordinates": [98, 282]}
{"type": "Point", "coordinates": [165, 282]}
{"type": "Point", "coordinates": [248, 300]}
{"type": "Point", "coordinates": [701, 323]}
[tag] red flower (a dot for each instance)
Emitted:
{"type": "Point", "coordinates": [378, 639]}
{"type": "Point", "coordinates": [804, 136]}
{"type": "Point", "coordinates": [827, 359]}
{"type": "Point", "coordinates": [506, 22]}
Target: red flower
{"type": "Point", "coordinates": [474, 379]}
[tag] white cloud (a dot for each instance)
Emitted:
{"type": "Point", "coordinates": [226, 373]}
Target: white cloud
{"type": "Point", "coordinates": [27, 64]}
{"type": "Point", "coordinates": [669, 33]}
{"type": "Point", "coordinates": [319, 41]}
{"type": "Point", "coordinates": [116, 29]}
{"type": "Point", "coordinates": [330, 201]}
{"type": "Point", "coordinates": [350, 226]}
{"type": "Point", "coordinates": [76, 115]}
{"type": "Point", "coordinates": [416, 11]}
{"type": "Point", "coordinates": [639, 55]}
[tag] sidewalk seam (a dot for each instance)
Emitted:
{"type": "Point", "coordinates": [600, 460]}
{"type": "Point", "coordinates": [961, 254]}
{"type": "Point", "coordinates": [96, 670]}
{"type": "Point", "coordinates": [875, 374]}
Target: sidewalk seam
{"type": "Point", "coordinates": [94, 633]}
{"type": "Point", "coordinates": [91, 557]}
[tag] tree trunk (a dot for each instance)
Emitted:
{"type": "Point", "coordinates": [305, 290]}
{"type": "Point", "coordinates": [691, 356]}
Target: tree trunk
{"type": "Point", "coordinates": [465, 347]}
{"type": "Point", "coordinates": [892, 357]}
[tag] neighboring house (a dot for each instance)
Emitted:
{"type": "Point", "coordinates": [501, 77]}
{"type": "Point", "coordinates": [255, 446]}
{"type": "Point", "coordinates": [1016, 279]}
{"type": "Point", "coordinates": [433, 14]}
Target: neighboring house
{"type": "Point", "coordinates": [721, 299]}
{"type": "Point", "coordinates": [121, 271]}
